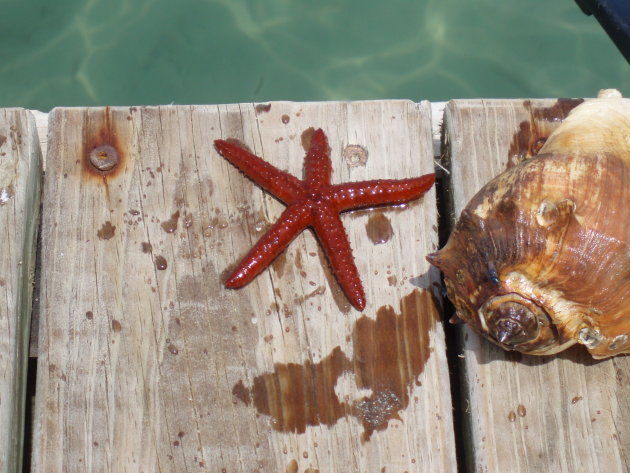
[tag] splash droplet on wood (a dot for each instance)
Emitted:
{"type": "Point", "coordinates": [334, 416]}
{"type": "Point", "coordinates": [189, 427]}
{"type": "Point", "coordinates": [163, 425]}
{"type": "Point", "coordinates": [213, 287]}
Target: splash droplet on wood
{"type": "Point", "coordinates": [107, 231]}
{"type": "Point", "coordinates": [262, 108]}
{"type": "Point", "coordinates": [379, 229]}
{"type": "Point", "coordinates": [170, 225]}
{"type": "Point", "coordinates": [160, 262]}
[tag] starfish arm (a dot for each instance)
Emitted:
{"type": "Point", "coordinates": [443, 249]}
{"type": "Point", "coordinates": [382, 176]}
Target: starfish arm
{"type": "Point", "coordinates": [354, 195]}
{"type": "Point", "coordinates": [317, 163]}
{"type": "Point", "coordinates": [334, 240]}
{"type": "Point", "coordinates": [293, 220]}
{"type": "Point", "coordinates": [281, 184]}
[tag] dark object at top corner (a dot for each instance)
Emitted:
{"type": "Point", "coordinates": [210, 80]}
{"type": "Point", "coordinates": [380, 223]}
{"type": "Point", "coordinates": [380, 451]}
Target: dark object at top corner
{"type": "Point", "coordinates": [614, 16]}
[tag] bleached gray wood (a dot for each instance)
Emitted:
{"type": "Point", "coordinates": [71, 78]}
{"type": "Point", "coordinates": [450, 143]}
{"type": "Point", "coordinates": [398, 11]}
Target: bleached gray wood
{"type": "Point", "coordinates": [20, 176]}
{"type": "Point", "coordinates": [564, 413]}
{"type": "Point", "coordinates": [138, 365]}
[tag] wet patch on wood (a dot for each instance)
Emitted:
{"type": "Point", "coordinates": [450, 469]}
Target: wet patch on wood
{"type": "Point", "coordinates": [379, 229]}
{"type": "Point", "coordinates": [170, 225]}
{"type": "Point", "coordinates": [389, 354]}
{"type": "Point", "coordinates": [533, 132]}
{"type": "Point", "coordinates": [107, 231]}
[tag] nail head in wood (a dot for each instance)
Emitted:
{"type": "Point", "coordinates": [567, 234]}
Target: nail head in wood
{"type": "Point", "coordinates": [104, 158]}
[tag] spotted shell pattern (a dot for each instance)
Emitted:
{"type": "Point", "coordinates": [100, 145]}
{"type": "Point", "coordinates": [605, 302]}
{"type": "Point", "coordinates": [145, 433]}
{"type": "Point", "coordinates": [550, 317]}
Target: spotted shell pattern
{"type": "Point", "coordinates": [540, 257]}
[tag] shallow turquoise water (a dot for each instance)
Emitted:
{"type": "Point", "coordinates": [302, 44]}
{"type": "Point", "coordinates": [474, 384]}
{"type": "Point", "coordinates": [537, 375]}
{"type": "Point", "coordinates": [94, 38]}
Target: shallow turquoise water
{"type": "Point", "coordinates": [123, 52]}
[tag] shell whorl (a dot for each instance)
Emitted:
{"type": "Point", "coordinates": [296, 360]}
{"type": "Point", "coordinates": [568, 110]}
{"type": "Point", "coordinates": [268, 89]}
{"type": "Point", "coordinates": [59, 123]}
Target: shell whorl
{"type": "Point", "coordinates": [596, 126]}
{"type": "Point", "coordinates": [517, 323]}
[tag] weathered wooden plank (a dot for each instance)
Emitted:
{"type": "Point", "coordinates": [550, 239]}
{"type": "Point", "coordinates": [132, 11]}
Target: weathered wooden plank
{"type": "Point", "coordinates": [148, 364]}
{"type": "Point", "coordinates": [529, 414]}
{"type": "Point", "coordinates": [20, 177]}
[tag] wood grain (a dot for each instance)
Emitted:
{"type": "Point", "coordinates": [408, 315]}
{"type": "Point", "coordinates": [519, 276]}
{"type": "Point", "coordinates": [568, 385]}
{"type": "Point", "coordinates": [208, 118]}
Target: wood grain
{"type": "Point", "coordinates": [563, 413]}
{"type": "Point", "coordinates": [20, 176]}
{"type": "Point", "coordinates": [146, 363]}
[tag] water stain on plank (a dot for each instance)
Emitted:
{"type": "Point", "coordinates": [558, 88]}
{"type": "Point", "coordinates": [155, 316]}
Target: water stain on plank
{"type": "Point", "coordinates": [389, 354]}
{"type": "Point", "coordinates": [170, 225]}
{"type": "Point", "coordinates": [107, 231]}
{"type": "Point", "coordinates": [160, 262]}
{"type": "Point", "coordinates": [379, 229]}
{"type": "Point", "coordinates": [262, 108]}
{"type": "Point", "coordinates": [533, 132]}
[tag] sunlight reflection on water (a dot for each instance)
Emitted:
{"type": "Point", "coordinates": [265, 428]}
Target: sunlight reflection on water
{"type": "Point", "coordinates": [219, 51]}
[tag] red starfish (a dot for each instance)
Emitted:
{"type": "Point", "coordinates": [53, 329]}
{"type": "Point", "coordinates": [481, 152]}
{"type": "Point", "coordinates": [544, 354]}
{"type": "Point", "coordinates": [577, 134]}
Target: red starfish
{"type": "Point", "coordinates": [314, 202]}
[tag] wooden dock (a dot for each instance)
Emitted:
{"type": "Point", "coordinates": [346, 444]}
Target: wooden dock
{"type": "Point", "coordinates": [146, 363]}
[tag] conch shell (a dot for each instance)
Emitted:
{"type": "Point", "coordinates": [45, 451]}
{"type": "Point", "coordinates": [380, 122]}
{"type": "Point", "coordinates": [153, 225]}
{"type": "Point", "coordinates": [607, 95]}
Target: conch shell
{"type": "Point", "coordinates": [540, 257]}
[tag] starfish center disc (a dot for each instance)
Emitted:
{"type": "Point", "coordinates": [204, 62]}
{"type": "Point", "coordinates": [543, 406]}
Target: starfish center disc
{"type": "Point", "coordinates": [317, 196]}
